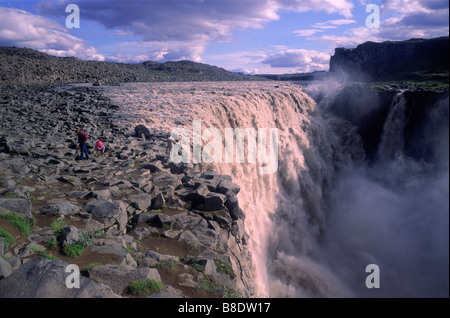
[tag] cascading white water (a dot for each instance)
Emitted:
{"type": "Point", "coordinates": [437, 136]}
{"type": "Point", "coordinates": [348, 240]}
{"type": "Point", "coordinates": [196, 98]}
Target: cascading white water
{"type": "Point", "coordinates": [302, 244]}
{"type": "Point", "coordinates": [284, 214]}
{"type": "Point", "coordinates": [392, 140]}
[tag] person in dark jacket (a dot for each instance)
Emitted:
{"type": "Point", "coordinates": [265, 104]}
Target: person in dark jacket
{"type": "Point", "coordinates": [82, 138]}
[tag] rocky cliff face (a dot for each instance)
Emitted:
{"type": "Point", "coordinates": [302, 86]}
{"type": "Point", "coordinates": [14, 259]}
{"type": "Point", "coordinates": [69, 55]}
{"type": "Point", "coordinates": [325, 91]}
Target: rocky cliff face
{"type": "Point", "coordinates": [389, 60]}
{"type": "Point", "coordinates": [124, 216]}
{"type": "Point", "coordinates": [407, 118]}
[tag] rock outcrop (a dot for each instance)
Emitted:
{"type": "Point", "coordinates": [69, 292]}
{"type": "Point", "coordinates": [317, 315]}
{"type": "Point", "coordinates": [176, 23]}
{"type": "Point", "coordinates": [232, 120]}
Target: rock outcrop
{"type": "Point", "coordinates": [392, 59]}
{"type": "Point", "coordinates": [42, 278]}
{"type": "Point", "coordinates": [129, 214]}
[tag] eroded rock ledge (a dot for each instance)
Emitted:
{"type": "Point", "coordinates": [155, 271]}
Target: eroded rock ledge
{"type": "Point", "coordinates": [131, 214]}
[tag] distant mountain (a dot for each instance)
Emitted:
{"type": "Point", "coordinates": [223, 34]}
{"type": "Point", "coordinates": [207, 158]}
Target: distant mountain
{"type": "Point", "coordinates": [394, 60]}
{"type": "Point", "coordinates": [23, 65]}
{"type": "Point", "coordinates": [317, 75]}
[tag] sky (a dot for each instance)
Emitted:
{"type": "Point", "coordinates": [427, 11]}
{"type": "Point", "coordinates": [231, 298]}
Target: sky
{"type": "Point", "coordinates": [249, 36]}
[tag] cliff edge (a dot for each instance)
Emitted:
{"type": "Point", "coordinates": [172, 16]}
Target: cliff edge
{"type": "Point", "coordinates": [393, 60]}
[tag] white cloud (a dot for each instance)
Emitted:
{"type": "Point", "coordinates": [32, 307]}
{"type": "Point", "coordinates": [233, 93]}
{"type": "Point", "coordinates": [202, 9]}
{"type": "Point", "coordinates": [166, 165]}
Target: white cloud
{"type": "Point", "coordinates": [400, 20]}
{"type": "Point", "coordinates": [305, 60]}
{"type": "Point", "coordinates": [342, 7]}
{"type": "Point", "coordinates": [351, 38]}
{"type": "Point", "coordinates": [333, 24]}
{"type": "Point", "coordinates": [308, 32]}
{"type": "Point", "coordinates": [123, 33]}
{"type": "Point", "coordinates": [274, 60]}
{"type": "Point", "coordinates": [414, 18]}
{"type": "Point", "coordinates": [186, 24]}
{"type": "Point", "coordinates": [23, 29]}
{"type": "Point", "coordinates": [159, 51]}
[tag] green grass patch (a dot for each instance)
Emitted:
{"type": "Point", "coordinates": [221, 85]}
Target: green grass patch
{"type": "Point", "coordinates": [53, 243]}
{"type": "Point", "coordinates": [169, 265]}
{"type": "Point", "coordinates": [145, 287]}
{"type": "Point", "coordinates": [10, 195]}
{"type": "Point", "coordinates": [20, 223]}
{"type": "Point", "coordinates": [209, 286]}
{"type": "Point", "coordinates": [233, 293]}
{"type": "Point", "coordinates": [128, 248]}
{"type": "Point", "coordinates": [223, 266]}
{"type": "Point", "coordinates": [8, 239]}
{"type": "Point", "coordinates": [74, 250]}
{"type": "Point", "coordinates": [43, 253]}
{"type": "Point", "coordinates": [57, 225]}
{"type": "Point", "coordinates": [196, 266]}
{"type": "Point", "coordinates": [90, 266]}
{"type": "Point", "coordinates": [85, 240]}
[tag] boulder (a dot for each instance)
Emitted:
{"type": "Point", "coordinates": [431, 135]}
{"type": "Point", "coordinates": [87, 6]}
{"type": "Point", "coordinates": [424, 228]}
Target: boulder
{"type": "Point", "coordinates": [9, 183]}
{"type": "Point", "coordinates": [42, 278]}
{"type": "Point", "coordinates": [61, 208]}
{"type": "Point", "coordinates": [108, 246]}
{"type": "Point", "coordinates": [5, 268]}
{"type": "Point", "coordinates": [208, 264]}
{"type": "Point", "coordinates": [187, 280]}
{"type": "Point", "coordinates": [154, 166]}
{"type": "Point", "coordinates": [158, 202]}
{"type": "Point", "coordinates": [140, 130]}
{"type": "Point", "coordinates": [232, 205]}
{"type": "Point", "coordinates": [190, 221]}
{"type": "Point", "coordinates": [197, 197]}
{"type": "Point", "coordinates": [110, 212]}
{"type": "Point", "coordinates": [21, 207]}
{"type": "Point", "coordinates": [152, 258]}
{"type": "Point", "coordinates": [21, 169]}
{"type": "Point", "coordinates": [215, 201]}
{"type": "Point", "coordinates": [141, 201]}
{"type": "Point", "coordinates": [69, 235]}
{"type": "Point", "coordinates": [75, 181]}
{"type": "Point", "coordinates": [161, 220]}
{"type": "Point", "coordinates": [119, 277]}
{"type": "Point", "coordinates": [177, 168]}
{"type": "Point", "coordinates": [228, 187]}
{"type": "Point", "coordinates": [189, 238]}
{"type": "Point", "coordinates": [206, 237]}
{"type": "Point", "coordinates": [101, 194]}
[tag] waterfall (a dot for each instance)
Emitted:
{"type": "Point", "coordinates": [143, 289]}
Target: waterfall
{"type": "Point", "coordinates": [321, 218]}
{"type": "Point", "coordinates": [392, 140]}
{"type": "Point", "coordinates": [284, 210]}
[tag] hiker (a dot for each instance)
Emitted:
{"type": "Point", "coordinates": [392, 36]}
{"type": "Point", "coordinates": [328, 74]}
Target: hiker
{"type": "Point", "coordinates": [82, 138]}
{"type": "Point", "coordinates": [99, 146]}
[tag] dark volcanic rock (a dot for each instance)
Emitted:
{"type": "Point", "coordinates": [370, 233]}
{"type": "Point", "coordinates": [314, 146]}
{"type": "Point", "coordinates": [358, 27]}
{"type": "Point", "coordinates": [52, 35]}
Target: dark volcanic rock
{"type": "Point", "coordinates": [18, 65]}
{"type": "Point", "coordinates": [382, 61]}
{"type": "Point", "coordinates": [140, 130]}
{"type": "Point", "coordinates": [21, 207]}
{"type": "Point", "coordinates": [119, 277]}
{"type": "Point", "coordinates": [111, 212]}
{"type": "Point", "coordinates": [42, 278]}
{"type": "Point", "coordinates": [111, 205]}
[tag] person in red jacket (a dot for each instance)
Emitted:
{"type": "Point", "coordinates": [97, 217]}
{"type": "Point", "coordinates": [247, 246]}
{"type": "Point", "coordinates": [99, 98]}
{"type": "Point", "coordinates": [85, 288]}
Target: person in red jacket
{"type": "Point", "coordinates": [82, 138]}
{"type": "Point", "coordinates": [99, 145]}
